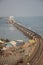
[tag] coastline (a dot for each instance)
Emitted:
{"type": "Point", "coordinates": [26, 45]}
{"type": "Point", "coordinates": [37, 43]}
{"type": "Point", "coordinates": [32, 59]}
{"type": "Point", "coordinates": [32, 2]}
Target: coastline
{"type": "Point", "coordinates": [25, 54]}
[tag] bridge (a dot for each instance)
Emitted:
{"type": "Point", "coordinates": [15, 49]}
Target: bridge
{"type": "Point", "coordinates": [35, 57]}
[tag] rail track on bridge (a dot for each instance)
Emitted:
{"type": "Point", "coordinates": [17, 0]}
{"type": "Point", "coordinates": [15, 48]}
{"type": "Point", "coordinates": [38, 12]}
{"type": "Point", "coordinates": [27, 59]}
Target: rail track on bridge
{"type": "Point", "coordinates": [34, 58]}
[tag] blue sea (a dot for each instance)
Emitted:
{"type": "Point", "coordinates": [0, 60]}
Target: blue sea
{"type": "Point", "coordinates": [7, 31]}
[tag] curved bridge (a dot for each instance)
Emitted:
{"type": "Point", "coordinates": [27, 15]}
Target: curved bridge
{"type": "Point", "coordinates": [35, 57]}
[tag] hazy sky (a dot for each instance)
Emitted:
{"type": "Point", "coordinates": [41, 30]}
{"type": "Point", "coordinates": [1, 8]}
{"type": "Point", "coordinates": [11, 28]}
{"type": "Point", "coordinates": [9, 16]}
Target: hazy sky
{"type": "Point", "coordinates": [21, 7]}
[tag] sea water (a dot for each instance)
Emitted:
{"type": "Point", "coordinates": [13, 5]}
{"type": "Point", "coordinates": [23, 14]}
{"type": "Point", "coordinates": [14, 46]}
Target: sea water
{"type": "Point", "coordinates": [8, 31]}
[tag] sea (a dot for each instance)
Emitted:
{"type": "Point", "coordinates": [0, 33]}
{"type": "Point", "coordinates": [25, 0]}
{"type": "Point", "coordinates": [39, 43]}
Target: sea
{"type": "Point", "coordinates": [8, 31]}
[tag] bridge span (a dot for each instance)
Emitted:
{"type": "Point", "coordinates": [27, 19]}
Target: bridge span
{"type": "Point", "coordinates": [34, 59]}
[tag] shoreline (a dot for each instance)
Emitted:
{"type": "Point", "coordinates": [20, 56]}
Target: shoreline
{"type": "Point", "coordinates": [27, 54]}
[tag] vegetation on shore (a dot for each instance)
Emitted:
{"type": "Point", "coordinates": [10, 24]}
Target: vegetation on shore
{"type": "Point", "coordinates": [6, 40]}
{"type": "Point", "coordinates": [19, 55]}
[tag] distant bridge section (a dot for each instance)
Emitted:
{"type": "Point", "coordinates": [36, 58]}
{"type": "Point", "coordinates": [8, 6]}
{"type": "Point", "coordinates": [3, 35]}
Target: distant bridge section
{"type": "Point", "coordinates": [26, 31]}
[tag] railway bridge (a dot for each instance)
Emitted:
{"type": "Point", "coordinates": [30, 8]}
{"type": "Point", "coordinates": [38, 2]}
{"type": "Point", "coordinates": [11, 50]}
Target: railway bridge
{"type": "Point", "coordinates": [35, 57]}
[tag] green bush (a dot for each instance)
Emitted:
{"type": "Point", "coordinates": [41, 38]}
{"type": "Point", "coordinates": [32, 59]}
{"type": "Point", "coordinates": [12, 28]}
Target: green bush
{"type": "Point", "coordinates": [1, 46]}
{"type": "Point", "coordinates": [7, 40]}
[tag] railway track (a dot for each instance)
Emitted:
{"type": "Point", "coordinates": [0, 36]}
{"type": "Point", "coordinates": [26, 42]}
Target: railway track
{"type": "Point", "coordinates": [34, 58]}
{"type": "Point", "coordinates": [36, 55]}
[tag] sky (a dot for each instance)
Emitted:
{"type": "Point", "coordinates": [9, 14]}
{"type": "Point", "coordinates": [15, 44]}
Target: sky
{"type": "Point", "coordinates": [19, 8]}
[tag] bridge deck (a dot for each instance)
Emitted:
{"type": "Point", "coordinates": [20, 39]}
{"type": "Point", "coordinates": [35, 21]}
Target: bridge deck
{"type": "Point", "coordinates": [26, 31]}
{"type": "Point", "coordinates": [34, 59]}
